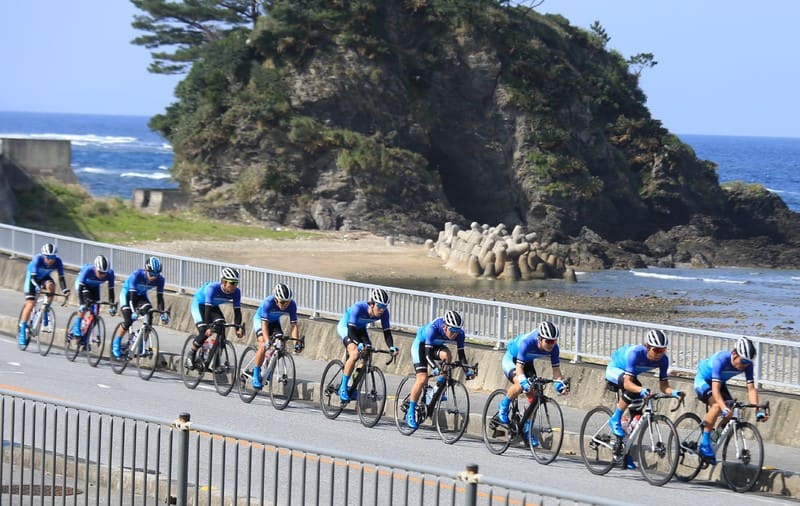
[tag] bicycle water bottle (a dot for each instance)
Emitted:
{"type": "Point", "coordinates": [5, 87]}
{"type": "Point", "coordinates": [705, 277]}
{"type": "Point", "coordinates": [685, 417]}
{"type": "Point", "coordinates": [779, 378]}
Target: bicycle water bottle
{"type": "Point", "coordinates": [85, 322]}
{"type": "Point", "coordinates": [278, 344]}
{"type": "Point", "coordinates": [428, 394]}
{"type": "Point", "coordinates": [207, 346]}
{"type": "Point", "coordinates": [626, 424]}
{"type": "Point", "coordinates": [635, 422]}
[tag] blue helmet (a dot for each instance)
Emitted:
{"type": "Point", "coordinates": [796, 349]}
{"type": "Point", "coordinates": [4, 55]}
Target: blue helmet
{"type": "Point", "coordinates": [153, 265]}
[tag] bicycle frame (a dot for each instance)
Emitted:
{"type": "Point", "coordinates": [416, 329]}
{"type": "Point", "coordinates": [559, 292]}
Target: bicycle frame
{"type": "Point", "coordinates": [364, 366]}
{"type": "Point", "coordinates": [440, 389]}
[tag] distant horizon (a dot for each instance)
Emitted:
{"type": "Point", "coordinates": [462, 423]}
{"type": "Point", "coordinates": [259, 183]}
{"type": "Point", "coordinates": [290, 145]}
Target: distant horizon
{"type": "Point", "coordinates": [147, 116]}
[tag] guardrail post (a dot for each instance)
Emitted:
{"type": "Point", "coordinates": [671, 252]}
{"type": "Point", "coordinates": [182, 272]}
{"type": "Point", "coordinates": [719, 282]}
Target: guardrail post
{"type": "Point", "coordinates": [472, 478]}
{"type": "Point", "coordinates": [182, 424]}
{"type": "Point", "coordinates": [578, 341]}
{"type": "Point", "coordinates": [501, 328]}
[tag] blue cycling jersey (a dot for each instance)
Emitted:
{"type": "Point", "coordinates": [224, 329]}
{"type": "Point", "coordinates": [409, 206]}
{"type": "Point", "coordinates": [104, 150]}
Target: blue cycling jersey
{"type": "Point", "coordinates": [212, 294]}
{"type": "Point", "coordinates": [525, 349]}
{"type": "Point", "coordinates": [432, 334]}
{"type": "Point", "coordinates": [139, 283]}
{"type": "Point", "coordinates": [269, 311]}
{"type": "Point", "coordinates": [38, 268]}
{"type": "Point", "coordinates": [718, 367]}
{"type": "Point", "coordinates": [633, 360]}
{"type": "Point", "coordinates": [88, 277]}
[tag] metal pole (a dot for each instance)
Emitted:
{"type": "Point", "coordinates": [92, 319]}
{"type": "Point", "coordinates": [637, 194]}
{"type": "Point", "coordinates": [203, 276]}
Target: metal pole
{"type": "Point", "coordinates": [182, 424]}
{"type": "Point", "coordinates": [471, 477]}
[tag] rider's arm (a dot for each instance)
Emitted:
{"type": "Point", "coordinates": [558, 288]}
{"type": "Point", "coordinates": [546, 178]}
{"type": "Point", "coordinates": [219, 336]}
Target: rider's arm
{"type": "Point", "coordinates": [295, 332]}
{"type": "Point", "coordinates": [752, 393]}
{"type": "Point", "coordinates": [430, 358]}
{"type": "Point", "coordinates": [665, 388]}
{"type": "Point", "coordinates": [629, 385]}
{"type": "Point", "coordinates": [716, 394]}
{"type": "Point", "coordinates": [462, 356]}
{"type": "Point", "coordinates": [160, 301]}
{"type": "Point", "coordinates": [387, 336]}
{"type": "Point", "coordinates": [557, 374]}
{"type": "Point", "coordinates": [62, 281]}
{"type": "Point", "coordinates": [237, 315]}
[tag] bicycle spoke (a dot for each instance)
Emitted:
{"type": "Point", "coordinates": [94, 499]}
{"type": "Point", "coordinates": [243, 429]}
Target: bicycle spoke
{"type": "Point", "coordinates": [689, 429]}
{"type": "Point", "coordinates": [452, 412]}
{"type": "Point", "coordinates": [282, 381]}
{"type": "Point", "coordinates": [371, 397]}
{"type": "Point", "coordinates": [659, 450]}
{"type": "Point", "coordinates": [742, 457]}
{"type": "Point", "coordinates": [597, 441]}
{"type": "Point", "coordinates": [547, 431]}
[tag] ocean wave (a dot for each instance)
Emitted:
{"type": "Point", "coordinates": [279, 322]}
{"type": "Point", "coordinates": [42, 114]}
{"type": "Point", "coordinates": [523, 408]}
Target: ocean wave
{"type": "Point", "coordinates": [143, 175]}
{"type": "Point", "coordinates": [94, 140]}
{"type": "Point", "coordinates": [95, 170]}
{"type": "Point", "coordinates": [689, 278]}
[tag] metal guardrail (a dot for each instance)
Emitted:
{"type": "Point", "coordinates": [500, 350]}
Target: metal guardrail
{"type": "Point", "coordinates": [494, 323]}
{"type": "Point", "coordinates": [83, 454]}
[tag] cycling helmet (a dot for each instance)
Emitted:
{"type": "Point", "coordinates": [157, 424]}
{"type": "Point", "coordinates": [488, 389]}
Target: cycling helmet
{"type": "Point", "coordinates": [657, 339]}
{"type": "Point", "coordinates": [153, 265]}
{"type": "Point", "coordinates": [453, 320]}
{"type": "Point", "coordinates": [282, 293]}
{"type": "Point", "coordinates": [49, 249]}
{"type": "Point", "coordinates": [101, 264]}
{"type": "Point", "coordinates": [548, 330]}
{"type": "Point", "coordinates": [745, 348]}
{"type": "Point", "coordinates": [379, 296]}
{"type": "Point", "coordinates": [230, 274]}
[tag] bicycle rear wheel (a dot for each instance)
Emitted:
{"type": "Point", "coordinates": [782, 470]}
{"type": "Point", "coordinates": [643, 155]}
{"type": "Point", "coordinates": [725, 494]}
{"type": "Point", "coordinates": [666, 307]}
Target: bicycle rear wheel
{"type": "Point", "coordinates": [225, 368]}
{"type": "Point", "coordinates": [401, 400]}
{"type": "Point", "coordinates": [192, 370]}
{"type": "Point", "coordinates": [659, 449]}
{"type": "Point", "coordinates": [742, 457]}
{"type": "Point", "coordinates": [71, 345]}
{"type": "Point", "coordinates": [44, 333]}
{"type": "Point", "coordinates": [95, 341]}
{"type": "Point", "coordinates": [496, 435]}
{"type": "Point", "coordinates": [452, 412]}
{"type": "Point", "coordinates": [690, 432]}
{"type": "Point", "coordinates": [597, 441]}
{"type": "Point", "coordinates": [547, 426]}
{"type": "Point", "coordinates": [147, 354]}
{"type": "Point", "coordinates": [119, 364]}
{"type": "Point", "coordinates": [329, 389]}
{"type": "Point", "coordinates": [244, 380]}
{"type": "Point", "coordinates": [372, 397]}
{"type": "Point", "coordinates": [281, 382]}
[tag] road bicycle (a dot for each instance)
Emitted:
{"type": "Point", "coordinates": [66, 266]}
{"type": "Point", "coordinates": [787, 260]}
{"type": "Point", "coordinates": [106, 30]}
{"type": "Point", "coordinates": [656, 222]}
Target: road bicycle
{"type": "Point", "coordinates": [651, 435]}
{"type": "Point", "coordinates": [92, 340]}
{"type": "Point", "coordinates": [446, 402]}
{"type": "Point", "coordinates": [278, 375]}
{"type": "Point", "coordinates": [742, 448]}
{"type": "Point", "coordinates": [141, 345]}
{"type": "Point", "coordinates": [217, 355]}
{"type": "Point", "coordinates": [42, 322]}
{"type": "Point", "coordinates": [367, 387]}
{"type": "Point", "coordinates": [533, 419]}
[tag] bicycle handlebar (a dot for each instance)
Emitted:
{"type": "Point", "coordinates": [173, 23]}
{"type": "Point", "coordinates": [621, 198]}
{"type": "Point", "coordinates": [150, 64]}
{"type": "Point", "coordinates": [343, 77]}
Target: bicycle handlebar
{"type": "Point", "coordinates": [736, 404]}
{"type": "Point", "coordinates": [54, 294]}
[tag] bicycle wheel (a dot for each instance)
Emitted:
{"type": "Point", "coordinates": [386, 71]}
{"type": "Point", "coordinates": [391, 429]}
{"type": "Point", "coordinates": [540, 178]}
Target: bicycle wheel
{"type": "Point", "coordinates": [46, 332]}
{"type": "Point", "coordinates": [147, 354]}
{"type": "Point", "coordinates": [452, 412]}
{"type": "Point", "coordinates": [659, 449]}
{"type": "Point", "coordinates": [71, 346]}
{"type": "Point", "coordinates": [742, 457]}
{"type": "Point", "coordinates": [95, 341]}
{"type": "Point", "coordinates": [225, 369]}
{"type": "Point", "coordinates": [372, 397]}
{"type": "Point", "coordinates": [401, 400]}
{"type": "Point", "coordinates": [191, 369]}
{"type": "Point", "coordinates": [119, 364]}
{"type": "Point", "coordinates": [690, 431]}
{"type": "Point", "coordinates": [597, 441]}
{"type": "Point", "coordinates": [281, 383]}
{"type": "Point", "coordinates": [244, 380]}
{"type": "Point", "coordinates": [496, 435]}
{"type": "Point", "coordinates": [547, 426]}
{"type": "Point", "coordinates": [329, 389]}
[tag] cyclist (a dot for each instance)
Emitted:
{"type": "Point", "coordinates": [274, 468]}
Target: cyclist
{"type": "Point", "coordinates": [710, 386]}
{"type": "Point", "coordinates": [134, 301]}
{"type": "Point", "coordinates": [207, 313]}
{"type": "Point", "coordinates": [518, 365]}
{"type": "Point", "coordinates": [352, 330]}
{"type": "Point", "coordinates": [626, 364]}
{"type": "Point", "coordinates": [37, 275]}
{"type": "Point", "coordinates": [87, 286]}
{"type": "Point", "coordinates": [429, 346]}
{"type": "Point", "coordinates": [267, 320]}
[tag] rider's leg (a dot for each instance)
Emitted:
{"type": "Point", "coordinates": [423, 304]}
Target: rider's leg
{"type": "Point", "coordinates": [349, 365]}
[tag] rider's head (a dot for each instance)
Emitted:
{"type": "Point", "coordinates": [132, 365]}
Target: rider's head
{"type": "Point", "coordinates": [548, 333]}
{"type": "Point", "coordinates": [153, 266]}
{"type": "Point", "coordinates": [743, 354]}
{"type": "Point", "coordinates": [379, 298]}
{"type": "Point", "coordinates": [229, 279]}
{"type": "Point", "coordinates": [656, 343]}
{"type": "Point", "coordinates": [453, 321]}
{"type": "Point", "coordinates": [282, 293]}
{"type": "Point", "coordinates": [49, 252]}
{"type": "Point", "coordinates": [101, 265]}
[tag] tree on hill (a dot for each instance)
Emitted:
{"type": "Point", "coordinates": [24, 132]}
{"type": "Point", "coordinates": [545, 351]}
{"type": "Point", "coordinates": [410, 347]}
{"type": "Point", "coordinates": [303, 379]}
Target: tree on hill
{"type": "Point", "coordinates": [181, 29]}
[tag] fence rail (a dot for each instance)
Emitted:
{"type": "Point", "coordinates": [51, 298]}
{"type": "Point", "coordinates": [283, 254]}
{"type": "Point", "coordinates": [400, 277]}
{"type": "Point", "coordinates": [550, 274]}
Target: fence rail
{"type": "Point", "coordinates": [583, 336]}
{"type": "Point", "coordinates": [80, 454]}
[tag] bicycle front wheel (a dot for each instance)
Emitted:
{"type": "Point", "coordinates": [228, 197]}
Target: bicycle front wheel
{"type": "Point", "coordinates": [192, 369]}
{"type": "Point", "coordinates": [329, 389]}
{"type": "Point", "coordinates": [372, 397]}
{"type": "Point", "coordinates": [659, 449]}
{"type": "Point", "coordinates": [244, 380]}
{"type": "Point", "coordinates": [225, 369]}
{"type": "Point", "coordinates": [597, 441]}
{"type": "Point", "coordinates": [118, 364]}
{"type": "Point", "coordinates": [496, 435]}
{"type": "Point", "coordinates": [147, 353]}
{"type": "Point", "coordinates": [401, 401]}
{"type": "Point", "coordinates": [45, 330]}
{"type": "Point", "coordinates": [742, 457]}
{"type": "Point", "coordinates": [281, 382]}
{"type": "Point", "coordinates": [71, 344]}
{"type": "Point", "coordinates": [690, 432]}
{"type": "Point", "coordinates": [452, 412]}
{"type": "Point", "coordinates": [546, 430]}
{"type": "Point", "coordinates": [95, 341]}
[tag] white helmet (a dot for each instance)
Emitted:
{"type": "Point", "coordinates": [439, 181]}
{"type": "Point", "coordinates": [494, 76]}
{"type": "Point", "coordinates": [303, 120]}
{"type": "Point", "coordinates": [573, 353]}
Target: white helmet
{"type": "Point", "coordinates": [230, 274]}
{"type": "Point", "coordinates": [745, 348]}
{"type": "Point", "coordinates": [453, 320]}
{"type": "Point", "coordinates": [101, 264]}
{"type": "Point", "coordinates": [548, 330]}
{"type": "Point", "coordinates": [379, 296]}
{"type": "Point", "coordinates": [282, 292]}
{"type": "Point", "coordinates": [49, 249]}
{"type": "Point", "coordinates": [657, 339]}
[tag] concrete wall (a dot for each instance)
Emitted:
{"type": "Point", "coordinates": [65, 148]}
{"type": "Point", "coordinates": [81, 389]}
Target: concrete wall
{"type": "Point", "coordinates": [39, 158]}
{"type": "Point", "coordinates": [156, 200]}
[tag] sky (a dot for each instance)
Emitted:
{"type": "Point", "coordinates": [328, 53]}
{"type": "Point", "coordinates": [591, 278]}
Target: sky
{"type": "Point", "coordinates": [724, 67]}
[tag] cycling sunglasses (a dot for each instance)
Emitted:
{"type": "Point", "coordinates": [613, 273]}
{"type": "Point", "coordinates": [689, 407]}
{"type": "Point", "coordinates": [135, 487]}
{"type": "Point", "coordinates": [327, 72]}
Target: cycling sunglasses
{"type": "Point", "coordinates": [550, 341]}
{"type": "Point", "coordinates": [50, 257]}
{"type": "Point", "coordinates": [745, 361]}
{"type": "Point", "coordinates": [381, 306]}
{"type": "Point", "coordinates": [234, 282]}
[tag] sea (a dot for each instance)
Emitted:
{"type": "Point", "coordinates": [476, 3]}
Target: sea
{"type": "Point", "coordinates": [113, 155]}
